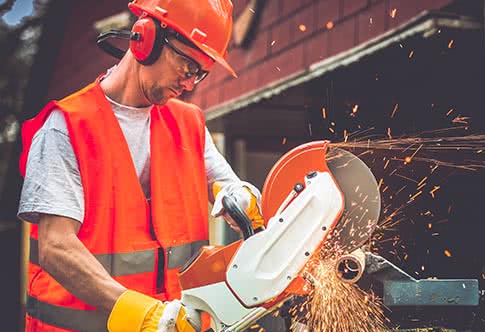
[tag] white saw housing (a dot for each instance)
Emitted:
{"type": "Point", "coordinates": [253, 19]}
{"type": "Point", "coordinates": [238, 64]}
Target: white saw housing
{"type": "Point", "coordinates": [268, 261]}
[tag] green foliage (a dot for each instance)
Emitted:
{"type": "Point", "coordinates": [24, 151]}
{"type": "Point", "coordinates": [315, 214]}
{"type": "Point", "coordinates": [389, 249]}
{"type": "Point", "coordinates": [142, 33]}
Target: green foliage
{"type": "Point", "coordinates": [18, 47]}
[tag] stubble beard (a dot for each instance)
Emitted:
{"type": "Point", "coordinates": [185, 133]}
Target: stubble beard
{"type": "Point", "coordinates": [157, 95]}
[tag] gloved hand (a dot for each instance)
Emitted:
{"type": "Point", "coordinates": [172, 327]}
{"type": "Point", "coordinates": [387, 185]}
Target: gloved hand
{"type": "Point", "coordinates": [246, 195]}
{"type": "Point", "coordinates": [137, 312]}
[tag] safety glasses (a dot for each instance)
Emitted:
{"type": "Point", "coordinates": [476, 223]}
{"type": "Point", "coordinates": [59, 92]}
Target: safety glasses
{"type": "Point", "coordinates": [192, 68]}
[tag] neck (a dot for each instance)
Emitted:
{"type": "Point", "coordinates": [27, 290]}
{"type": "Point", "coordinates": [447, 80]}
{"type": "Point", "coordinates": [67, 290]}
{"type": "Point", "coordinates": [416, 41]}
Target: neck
{"type": "Point", "coordinates": [123, 86]}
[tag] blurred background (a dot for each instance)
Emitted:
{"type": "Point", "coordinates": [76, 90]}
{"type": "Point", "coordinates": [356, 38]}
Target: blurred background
{"type": "Point", "coordinates": [392, 72]}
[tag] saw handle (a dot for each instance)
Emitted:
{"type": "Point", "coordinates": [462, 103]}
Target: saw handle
{"type": "Point", "coordinates": [238, 215]}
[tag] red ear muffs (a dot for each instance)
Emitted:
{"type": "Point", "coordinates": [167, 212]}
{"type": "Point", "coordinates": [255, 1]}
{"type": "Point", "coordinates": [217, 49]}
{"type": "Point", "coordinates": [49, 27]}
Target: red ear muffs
{"type": "Point", "coordinates": [147, 40]}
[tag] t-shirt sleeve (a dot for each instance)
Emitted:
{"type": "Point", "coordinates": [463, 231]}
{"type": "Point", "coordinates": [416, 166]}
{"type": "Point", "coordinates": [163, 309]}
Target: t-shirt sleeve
{"type": "Point", "coordinates": [217, 168]}
{"type": "Point", "coordinates": [52, 182]}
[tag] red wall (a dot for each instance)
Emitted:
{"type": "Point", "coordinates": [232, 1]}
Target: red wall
{"type": "Point", "coordinates": [79, 60]}
{"type": "Point", "coordinates": [279, 48]}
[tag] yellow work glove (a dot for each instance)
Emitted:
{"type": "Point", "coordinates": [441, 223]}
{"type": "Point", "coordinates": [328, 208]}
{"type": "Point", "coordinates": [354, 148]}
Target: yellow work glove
{"type": "Point", "coordinates": [247, 197]}
{"type": "Point", "coordinates": [137, 312]}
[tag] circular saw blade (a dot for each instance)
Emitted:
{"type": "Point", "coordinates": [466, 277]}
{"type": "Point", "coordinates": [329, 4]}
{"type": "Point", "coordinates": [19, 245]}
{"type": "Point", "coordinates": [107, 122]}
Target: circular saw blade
{"type": "Point", "coordinates": [362, 200]}
{"type": "Point", "coordinates": [354, 178]}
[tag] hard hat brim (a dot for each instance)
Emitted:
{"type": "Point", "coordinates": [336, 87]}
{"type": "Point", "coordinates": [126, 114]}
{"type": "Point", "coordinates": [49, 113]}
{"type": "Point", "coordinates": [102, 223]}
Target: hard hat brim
{"type": "Point", "coordinates": [216, 57]}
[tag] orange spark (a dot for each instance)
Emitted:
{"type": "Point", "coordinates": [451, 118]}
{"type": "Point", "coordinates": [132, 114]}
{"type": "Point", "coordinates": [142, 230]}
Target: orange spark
{"type": "Point", "coordinates": [355, 108]}
{"type": "Point", "coordinates": [461, 119]}
{"type": "Point", "coordinates": [273, 42]}
{"type": "Point", "coordinates": [338, 306]}
{"type": "Point", "coordinates": [449, 112]}
{"type": "Point", "coordinates": [421, 186]}
{"type": "Point", "coordinates": [329, 25]}
{"type": "Point", "coordinates": [394, 110]}
{"type": "Point", "coordinates": [411, 54]}
{"type": "Point", "coordinates": [393, 13]}
{"type": "Point", "coordinates": [450, 44]}
{"type": "Point", "coordinates": [324, 113]}
{"type": "Point", "coordinates": [331, 129]}
{"type": "Point", "coordinates": [302, 27]}
{"type": "Point", "coordinates": [345, 135]}
{"type": "Point", "coordinates": [434, 190]}
{"type": "Point", "coordinates": [415, 195]}
{"type": "Point", "coordinates": [284, 141]}
{"type": "Point", "coordinates": [447, 253]}
{"type": "Point", "coordinates": [389, 133]}
{"type": "Point", "coordinates": [422, 181]}
{"type": "Point", "coordinates": [408, 159]}
{"type": "Point", "coordinates": [430, 225]}
{"type": "Point", "coordinates": [387, 163]}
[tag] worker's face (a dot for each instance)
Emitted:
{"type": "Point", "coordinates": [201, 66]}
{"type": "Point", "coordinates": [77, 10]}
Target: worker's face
{"type": "Point", "coordinates": [168, 76]}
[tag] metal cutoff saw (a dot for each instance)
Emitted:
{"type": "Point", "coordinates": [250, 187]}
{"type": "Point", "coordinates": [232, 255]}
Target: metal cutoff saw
{"type": "Point", "coordinates": [316, 199]}
{"type": "Point", "coordinates": [314, 195]}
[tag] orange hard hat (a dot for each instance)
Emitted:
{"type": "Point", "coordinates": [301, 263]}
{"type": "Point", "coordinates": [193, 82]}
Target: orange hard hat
{"type": "Point", "coordinates": [206, 23]}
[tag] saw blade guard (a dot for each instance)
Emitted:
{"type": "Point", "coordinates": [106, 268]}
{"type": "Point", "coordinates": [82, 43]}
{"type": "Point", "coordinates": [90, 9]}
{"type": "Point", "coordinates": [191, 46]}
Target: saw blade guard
{"type": "Point", "coordinates": [269, 261]}
{"type": "Point", "coordinates": [289, 170]}
{"type": "Point", "coordinates": [353, 177]}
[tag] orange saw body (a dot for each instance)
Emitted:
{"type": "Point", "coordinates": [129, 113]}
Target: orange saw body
{"type": "Point", "coordinates": [303, 204]}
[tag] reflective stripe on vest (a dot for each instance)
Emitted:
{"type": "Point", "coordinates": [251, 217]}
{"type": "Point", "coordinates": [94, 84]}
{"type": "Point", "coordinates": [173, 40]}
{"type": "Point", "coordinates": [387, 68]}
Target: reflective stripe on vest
{"type": "Point", "coordinates": [116, 265]}
{"type": "Point", "coordinates": [179, 255]}
{"type": "Point", "coordinates": [66, 318]}
{"type": "Point", "coordinates": [120, 264]}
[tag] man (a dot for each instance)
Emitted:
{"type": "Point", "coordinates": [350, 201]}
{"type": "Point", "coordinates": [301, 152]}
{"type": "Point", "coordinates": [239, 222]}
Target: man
{"type": "Point", "coordinates": [117, 177]}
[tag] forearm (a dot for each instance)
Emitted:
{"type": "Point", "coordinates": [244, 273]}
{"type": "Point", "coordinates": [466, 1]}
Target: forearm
{"type": "Point", "coordinates": [68, 261]}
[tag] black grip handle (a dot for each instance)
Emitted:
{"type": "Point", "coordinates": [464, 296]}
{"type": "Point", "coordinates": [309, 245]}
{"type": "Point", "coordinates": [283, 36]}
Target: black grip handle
{"type": "Point", "coordinates": [242, 220]}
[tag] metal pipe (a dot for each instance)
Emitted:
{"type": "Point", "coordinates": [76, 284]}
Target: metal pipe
{"type": "Point", "coordinates": [350, 267]}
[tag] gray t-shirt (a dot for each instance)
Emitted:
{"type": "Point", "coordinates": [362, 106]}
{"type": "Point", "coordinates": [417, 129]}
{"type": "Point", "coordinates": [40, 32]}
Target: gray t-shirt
{"type": "Point", "coordinates": [52, 181]}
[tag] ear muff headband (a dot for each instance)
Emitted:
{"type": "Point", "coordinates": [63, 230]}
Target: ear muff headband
{"type": "Point", "coordinates": [146, 40]}
{"type": "Point", "coordinates": [147, 47]}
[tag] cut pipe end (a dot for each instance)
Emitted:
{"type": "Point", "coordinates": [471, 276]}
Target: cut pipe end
{"type": "Point", "coordinates": [350, 267]}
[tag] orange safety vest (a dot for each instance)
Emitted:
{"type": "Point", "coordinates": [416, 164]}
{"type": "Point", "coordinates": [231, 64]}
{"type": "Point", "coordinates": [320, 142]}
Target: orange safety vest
{"type": "Point", "coordinates": [117, 229]}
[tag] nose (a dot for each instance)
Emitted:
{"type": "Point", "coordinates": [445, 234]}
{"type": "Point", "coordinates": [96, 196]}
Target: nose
{"type": "Point", "coordinates": [188, 83]}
